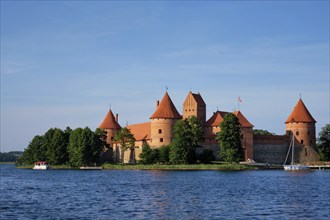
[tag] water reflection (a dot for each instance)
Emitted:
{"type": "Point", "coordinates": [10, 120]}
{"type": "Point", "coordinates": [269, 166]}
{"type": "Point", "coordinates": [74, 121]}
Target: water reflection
{"type": "Point", "coordinates": [163, 194]}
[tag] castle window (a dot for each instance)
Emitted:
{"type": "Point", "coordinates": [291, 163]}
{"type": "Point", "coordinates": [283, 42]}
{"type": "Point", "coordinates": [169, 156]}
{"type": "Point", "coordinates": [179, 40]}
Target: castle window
{"type": "Point", "coordinates": [159, 131]}
{"type": "Point", "coordinates": [111, 138]}
{"type": "Point", "coordinates": [302, 141]}
{"type": "Point", "coordinates": [161, 140]}
{"type": "Point", "coordinates": [297, 133]}
{"type": "Point", "coordinates": [305, 152]}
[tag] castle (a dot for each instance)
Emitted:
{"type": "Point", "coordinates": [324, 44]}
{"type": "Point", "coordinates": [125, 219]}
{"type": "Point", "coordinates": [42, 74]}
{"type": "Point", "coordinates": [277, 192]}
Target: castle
{"type": "Point", "coordinates": [261, 148]}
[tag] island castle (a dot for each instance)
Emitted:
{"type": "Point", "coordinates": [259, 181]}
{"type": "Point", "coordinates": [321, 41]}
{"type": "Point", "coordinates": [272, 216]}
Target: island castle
{"type": "Point", "coordinates": [260, 148]}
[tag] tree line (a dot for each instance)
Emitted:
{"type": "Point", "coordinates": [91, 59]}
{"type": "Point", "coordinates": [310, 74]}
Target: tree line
{"type": "Point", "coordinates": [77, 147]}
{"type": "Point", "coordinates": [11, 156]}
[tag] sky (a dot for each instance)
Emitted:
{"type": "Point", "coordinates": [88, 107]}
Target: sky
{"type": "Point", "coordinates": [65, 63]}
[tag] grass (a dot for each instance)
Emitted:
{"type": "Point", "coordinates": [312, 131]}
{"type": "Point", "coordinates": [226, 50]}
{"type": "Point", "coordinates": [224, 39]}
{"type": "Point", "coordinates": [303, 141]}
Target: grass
{"type": "Point", "coordinates": [216, 166]}
{"type": "Point", "coordinates": [225, 167]}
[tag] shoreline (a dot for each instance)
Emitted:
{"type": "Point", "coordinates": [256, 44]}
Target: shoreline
{"type": "Point", "coordinates": [175, 167]}
{"type": "Point", "coordinates": [183, 167]}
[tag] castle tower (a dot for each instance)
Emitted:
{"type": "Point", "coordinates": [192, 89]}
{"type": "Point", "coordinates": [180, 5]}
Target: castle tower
{"type": "Point", "coordinates": [194, 105]}
{"type": "Point", "coordinates": [162, 122]}
{"type": "Point", "coordinates": [301, 125]}
{"type": "Point", "coordinates": [246, 135]}
{"type": "Point", "coordinates": [110, 124]}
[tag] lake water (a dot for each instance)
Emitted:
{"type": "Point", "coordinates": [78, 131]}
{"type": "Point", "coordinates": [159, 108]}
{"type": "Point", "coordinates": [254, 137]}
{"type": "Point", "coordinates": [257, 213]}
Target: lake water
{"type": "Point", "coordinates": [108, 194]}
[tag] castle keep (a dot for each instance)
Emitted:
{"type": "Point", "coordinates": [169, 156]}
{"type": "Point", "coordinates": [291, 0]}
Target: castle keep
{"type": "Point", "coordinates": [261, 148]}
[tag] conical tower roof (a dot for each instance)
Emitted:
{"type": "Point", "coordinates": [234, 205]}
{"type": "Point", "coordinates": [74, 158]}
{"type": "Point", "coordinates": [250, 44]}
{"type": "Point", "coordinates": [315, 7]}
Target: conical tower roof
{"type": "Point", "coordinates": [109, 122]}
{"type": "Point", "coordinates": [300, 114]}
{"type": "Point", "coordinates": [166, 109]}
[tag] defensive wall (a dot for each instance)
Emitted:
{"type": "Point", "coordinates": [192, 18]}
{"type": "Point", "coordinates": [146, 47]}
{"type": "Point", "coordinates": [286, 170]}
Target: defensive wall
{"type": "Point", "coordinates": [270, 148]}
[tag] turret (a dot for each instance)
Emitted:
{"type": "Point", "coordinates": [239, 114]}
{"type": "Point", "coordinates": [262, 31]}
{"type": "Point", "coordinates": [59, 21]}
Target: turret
{"type": "Point", "coordinates": [162, 122]}
{"type": "Point", "coordinates": [301, 125]}
{"type": "Point", "coordinates": [111, 126]}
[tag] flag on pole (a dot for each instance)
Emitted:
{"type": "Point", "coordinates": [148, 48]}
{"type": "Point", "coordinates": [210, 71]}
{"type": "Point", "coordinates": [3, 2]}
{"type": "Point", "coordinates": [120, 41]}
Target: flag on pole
{"type": "Point", "coordinates": [239, 99]}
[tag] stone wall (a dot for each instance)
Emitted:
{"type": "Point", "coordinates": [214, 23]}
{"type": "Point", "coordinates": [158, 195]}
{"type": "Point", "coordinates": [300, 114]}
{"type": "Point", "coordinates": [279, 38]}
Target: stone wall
{"type": "Point", "coordinates": [270, 148]}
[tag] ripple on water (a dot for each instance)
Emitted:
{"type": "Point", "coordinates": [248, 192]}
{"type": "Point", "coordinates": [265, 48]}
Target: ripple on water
{"type": "Point", "coordinates": [66, 194]}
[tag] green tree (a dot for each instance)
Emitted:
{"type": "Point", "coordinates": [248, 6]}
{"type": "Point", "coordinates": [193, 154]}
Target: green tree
{"type": "Point", "coordinates": [57, 144]}
{"type": "Point", "coordinates": [76, 148]}
{"type": "Point", "coordinates": [164, 154]}
{"type": "Point", "coordinates": [148, 155]}
{"type": "Point", "coordinates": [34, 152]}
{"type": "Point", "coordinates": [82, 149]}
{"type": "Point", "coordinates": [229, 139]}
{"type": "Point", "coordinates": [99, 143]}
{"type": "Point", "coordinates": [323, 143]}
{"type": "Point", "coordinates": [197, 131]}
{"type": "Point", "coordinates": [262, 132]}
{"type": "Point", "coordinates": [206, 156]}
{"type": "Point", "coordinates": [127, 141]}
{"type": "Point", "coordinates": [182, 150]}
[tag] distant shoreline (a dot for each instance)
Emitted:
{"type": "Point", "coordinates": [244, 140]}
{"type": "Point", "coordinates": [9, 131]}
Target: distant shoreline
{"type": "Point", "coordinates": [9, 162]}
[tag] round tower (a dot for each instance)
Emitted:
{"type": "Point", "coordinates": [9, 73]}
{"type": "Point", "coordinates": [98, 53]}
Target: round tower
{"type": "Point", "coordinates": [162, 122]}
{"type": "Point", "coordinates": [301, 125]}
{"type": "Point", "coordinates": [111, 126]}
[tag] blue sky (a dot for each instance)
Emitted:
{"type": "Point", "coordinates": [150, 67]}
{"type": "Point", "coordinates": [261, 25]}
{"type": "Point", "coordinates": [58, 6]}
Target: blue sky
{"type": "Point", "coordinates": [63, 63]}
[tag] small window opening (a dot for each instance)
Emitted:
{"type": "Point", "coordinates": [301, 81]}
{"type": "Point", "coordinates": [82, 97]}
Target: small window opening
{"type": "Point", "coordinates": [161, 140]}
{"type": "Point", "coordinates": [297, 133]}
{"type": "Point", "coordinates": [159, 131]}
{"type": "Point", "coordinates": [302, 141]}
{"type": "Point", "coordinates": [305, 152]}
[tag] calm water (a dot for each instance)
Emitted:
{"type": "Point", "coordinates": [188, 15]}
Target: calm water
{"type": "Point", "coordinates": [72, 194]}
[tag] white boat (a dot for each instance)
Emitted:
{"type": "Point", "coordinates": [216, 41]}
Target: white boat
{"type": "Point", "coordinates": [41, 165]}
{"type": "Point", "coordinates": [293, 166]}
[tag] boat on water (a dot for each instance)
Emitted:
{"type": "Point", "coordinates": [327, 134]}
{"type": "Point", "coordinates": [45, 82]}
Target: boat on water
{"type": "Point", "coordinates": [292, 165]}
{"type": "Point", "coordinates": [41, 165]}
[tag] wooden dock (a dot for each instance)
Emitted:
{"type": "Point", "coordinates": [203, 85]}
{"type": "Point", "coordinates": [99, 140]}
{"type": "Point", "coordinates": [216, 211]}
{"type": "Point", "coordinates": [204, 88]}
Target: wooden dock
{"type": "Point", "coordinates": [320, 167]}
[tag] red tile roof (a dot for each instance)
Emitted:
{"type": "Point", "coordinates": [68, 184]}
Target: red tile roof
{"type": "Point", "coordinates": [216, 119]}
{"type": "Point", "coordinates": [199, 99]}
{"type": "Point", "coordinates": [109, 122]}
{"type": "Point", "coordinates": [141, 131]}
{"type": "Point", "coordinates": [300, 114]}
{"type": "Point", "coordinates": [218, 116]}
{"type": "Point", "coordinates": [242, 120]}
{"type": "Point", "coordinates": [166, 109]}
